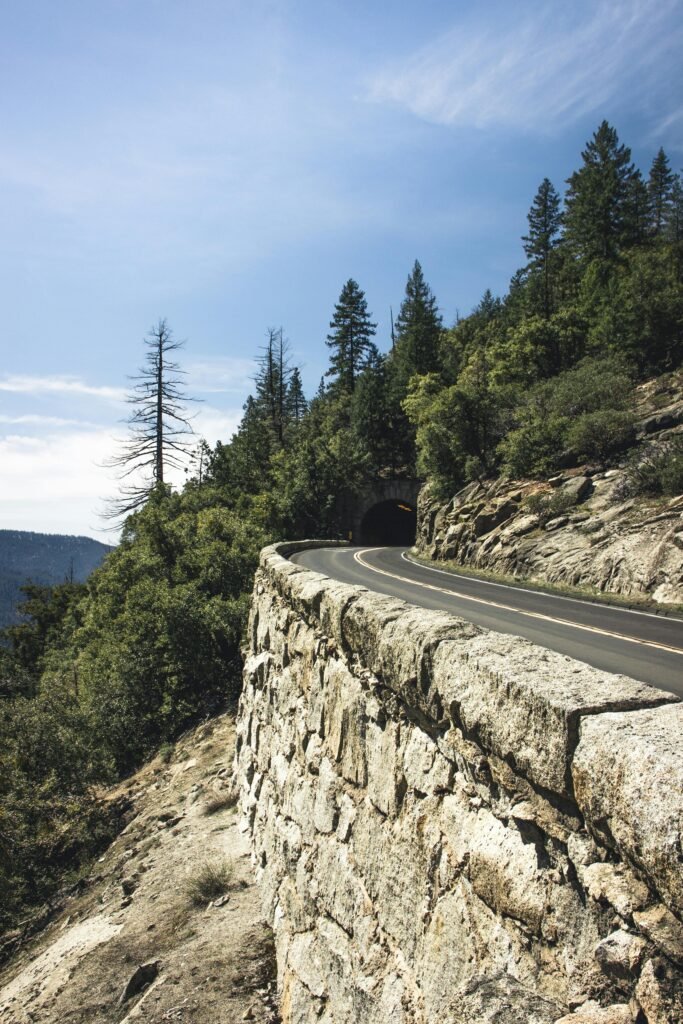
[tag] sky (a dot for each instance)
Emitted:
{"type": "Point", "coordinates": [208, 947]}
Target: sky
{"type": "Point", "coordinates": [228, 165]}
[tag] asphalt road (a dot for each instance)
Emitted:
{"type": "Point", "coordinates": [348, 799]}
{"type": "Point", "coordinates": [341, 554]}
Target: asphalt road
{"type": "Point", "coordinates": [638, 644]}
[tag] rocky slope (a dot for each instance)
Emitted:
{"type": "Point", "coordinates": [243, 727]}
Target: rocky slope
{"type": "Point", "coordinates": [577, 528]}
{"type": "Point", "coordinates": [130, 943]}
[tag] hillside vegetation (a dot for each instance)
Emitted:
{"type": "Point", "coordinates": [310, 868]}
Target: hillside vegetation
{"type": "Point", "coordinates": [42, 559]}
{"type": "Point", "coordinates": [540, 379]}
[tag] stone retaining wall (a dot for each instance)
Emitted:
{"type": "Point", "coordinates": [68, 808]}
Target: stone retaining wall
{"type": "Point", "coordinates": [451, 825]}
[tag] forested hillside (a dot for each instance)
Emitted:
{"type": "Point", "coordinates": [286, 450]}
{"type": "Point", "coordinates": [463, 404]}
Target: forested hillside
{"type": "Point", "coordinates": [101, 675]}
{"type": "Point", "coordinates": [43, 559]}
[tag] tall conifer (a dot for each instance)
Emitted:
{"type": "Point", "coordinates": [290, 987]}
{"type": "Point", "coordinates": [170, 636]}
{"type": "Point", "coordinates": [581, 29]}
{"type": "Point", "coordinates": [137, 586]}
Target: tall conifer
{"type": "Point", "coordinates": [659, 185]}
{"type": "Point", "coordinates": [418, 329]}
{"type": "Point", "coordinates": [596, 208]}
{"type": "Point", "coordinates": [545, 219]}
{"type": "Point", "coordinates": [350, 338]}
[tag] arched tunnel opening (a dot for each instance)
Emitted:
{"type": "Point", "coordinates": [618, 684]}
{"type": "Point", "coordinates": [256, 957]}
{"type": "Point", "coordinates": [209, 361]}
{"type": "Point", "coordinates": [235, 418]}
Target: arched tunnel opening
{"type": "Point", "coordinates": [389, 522]}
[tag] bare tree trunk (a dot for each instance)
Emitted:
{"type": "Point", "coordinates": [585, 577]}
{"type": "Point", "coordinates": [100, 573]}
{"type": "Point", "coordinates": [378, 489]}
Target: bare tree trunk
{"type": "Point", "coordinates": [159, 461]}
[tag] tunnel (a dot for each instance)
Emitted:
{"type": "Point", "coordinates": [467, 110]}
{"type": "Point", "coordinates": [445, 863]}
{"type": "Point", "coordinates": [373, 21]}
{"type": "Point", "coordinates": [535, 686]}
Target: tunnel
{"type": "Point", "coordinates": [389, 522]}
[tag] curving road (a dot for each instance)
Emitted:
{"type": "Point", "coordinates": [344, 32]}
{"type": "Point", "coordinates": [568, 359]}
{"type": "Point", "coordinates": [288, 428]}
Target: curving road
{"type": "Point", "coordinates": [638, 644]}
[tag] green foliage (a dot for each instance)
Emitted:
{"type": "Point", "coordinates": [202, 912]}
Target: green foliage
{"type": "Point", "coordinates": [639, 310]}
{"type": "Point", "coordinates": [44, 610]}
{"type": "Point", "coordinates": [659, 189]}
{"type": "Point", "coordinates": [598, 211]}
{"type": "Point", "coordinates": [656, 470]}
{"type": "Point", "coordinates": [600, 434]}
{"type": "Point", "coordinates": [549, 506]}
{"type": "Point", "coordinates": [545, 219]}
{"type": "Point", "coordinates": [325, 461]}
{"type": "Point", "coordinates": [458, 428]}
{"type": "Point", "coordinates": [159, 643]}
{"type": "Point", "coordinates": [50, 818]}
{"type": "Point", "coordinates": [418, 329]}
{"type": "Point", "coordinates": [350, 339]}
{"type": "Point", "coordinates": [565, 413]}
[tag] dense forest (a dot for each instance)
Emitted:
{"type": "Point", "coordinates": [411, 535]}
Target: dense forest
{"type": "Point", "coordinates": [42, 559]}
{"type": "Point", "coordinates": [101, 674]}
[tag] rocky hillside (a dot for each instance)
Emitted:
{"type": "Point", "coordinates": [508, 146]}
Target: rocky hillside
{"type": "Point", "coordinates": [167, 926]}
{"type": "Point", "coordinates": [584, 528]}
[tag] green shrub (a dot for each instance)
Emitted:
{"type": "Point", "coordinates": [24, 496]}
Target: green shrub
{"type": "Point", "coordinates": [583, 410]}
{"type": "Point", "coordinates": [656, 471]}
{"type": "Point", "coordinates": [601, 433]}
{"type": "Point", "coordinates": [549, 506]}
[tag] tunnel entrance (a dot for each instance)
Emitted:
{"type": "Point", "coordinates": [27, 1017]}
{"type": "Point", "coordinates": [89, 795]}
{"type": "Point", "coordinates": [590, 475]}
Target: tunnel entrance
{"type": "Point", "coordinates": [389, 522]}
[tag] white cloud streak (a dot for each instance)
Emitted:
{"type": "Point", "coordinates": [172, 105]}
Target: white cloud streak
{"type": "Point", "coordinates": [540, 69]}
{"type": "Point", "coordinates": [224, 374]}
{"type": "Point", "coordinates": [37, 420]}
{"type": "Point", "coordinates": [216, 424]}
{"type": "Point", "coordinates": [20, 384]}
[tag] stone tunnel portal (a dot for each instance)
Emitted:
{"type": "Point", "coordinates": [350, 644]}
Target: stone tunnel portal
{"type": "Point", "coordinates": [389, 522]}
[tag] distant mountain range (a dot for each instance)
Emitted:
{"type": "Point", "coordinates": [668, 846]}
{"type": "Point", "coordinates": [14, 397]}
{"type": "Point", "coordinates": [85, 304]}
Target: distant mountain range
{"type": "Point", "coordinates": [45, 558]}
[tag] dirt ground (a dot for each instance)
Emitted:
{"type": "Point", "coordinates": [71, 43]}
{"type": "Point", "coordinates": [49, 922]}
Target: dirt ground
{"type": "Point", "coordinates": [206, 962]}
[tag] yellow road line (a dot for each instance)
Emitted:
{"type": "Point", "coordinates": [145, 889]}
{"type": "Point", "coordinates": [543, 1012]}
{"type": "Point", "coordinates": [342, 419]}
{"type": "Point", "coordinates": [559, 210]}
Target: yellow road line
{"type": "Point", "coordinates": [510, 608]}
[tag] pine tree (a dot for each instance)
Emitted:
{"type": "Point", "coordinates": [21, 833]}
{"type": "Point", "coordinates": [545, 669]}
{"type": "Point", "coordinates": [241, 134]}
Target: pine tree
{"type": "Point", "coordinates": [637, 211]}
{"type": "Point", "coordinates": [418, 329]}
{"type": "Point", "coordinates": [596, 206]}
{"type": "Point", "coordinates": [545, 219]}
{"type": "Point", "coordinates": [673, 227]}
{"type": "Point", "coordinates": [272, 381]}
{"type": "Point", "coordinates": [371, 414]}
{"type": "Point", "coordinates": [350, 339]}
{"type": "Point", "coordinates": [296, 400]}
{"type": "Point", "coordinates": [659, 187]}
{"type": "Point", "coordinates": [160, 429]}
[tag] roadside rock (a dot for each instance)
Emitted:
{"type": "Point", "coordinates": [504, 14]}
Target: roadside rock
{"type": "Point", "coordinates": [659, 993]}
{"type": "Point", "coordinates": [628, 781]}
{"type": "Point", "coordinates": [620, 953]}
{"type": "Point", "coordinates": [629, 547]}
{"type": "Point", "coordinates": [592, 1013]}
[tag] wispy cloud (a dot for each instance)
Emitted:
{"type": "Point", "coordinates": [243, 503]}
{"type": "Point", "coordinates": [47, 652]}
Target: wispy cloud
{"type": "Point", "coordinates": [216, 424]}
{"type": "Point", "coordinates": [28, 385]}
{"type": "Point", "coordinates": [36, 420]}
{"type": "Point", "coordinates": [537, 67]}
{"type": "Point", "coordinates": [228, 374]}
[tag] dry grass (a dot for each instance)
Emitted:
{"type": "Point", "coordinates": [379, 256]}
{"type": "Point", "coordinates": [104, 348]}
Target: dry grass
{"type": "Point", "coordinates": [220, 802]}
{"type": "Point", "coordinates": [210, 880]}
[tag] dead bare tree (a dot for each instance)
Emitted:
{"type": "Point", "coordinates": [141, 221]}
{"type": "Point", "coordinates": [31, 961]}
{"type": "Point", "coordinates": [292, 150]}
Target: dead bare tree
{"type": "Point", "coordinates": [159, 426]}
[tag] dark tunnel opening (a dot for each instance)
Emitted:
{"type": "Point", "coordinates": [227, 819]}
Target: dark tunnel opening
{"type": "Point", "coordinates": [389, 522]}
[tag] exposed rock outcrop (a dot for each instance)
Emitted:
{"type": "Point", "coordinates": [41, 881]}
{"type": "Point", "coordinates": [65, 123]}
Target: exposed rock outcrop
{"type": "Point", "coordinates": [617, 547]}
{"type": "Point", "coordinates": [454, 826]}
{"type": "Point", "coordinates": [576, 528]}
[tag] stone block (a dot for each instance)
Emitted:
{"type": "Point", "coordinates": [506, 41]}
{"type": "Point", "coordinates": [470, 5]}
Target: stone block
{"type": "Point", "coordinates": [628, 780]}
{"type": "Point", "coordinates": [525, 704]}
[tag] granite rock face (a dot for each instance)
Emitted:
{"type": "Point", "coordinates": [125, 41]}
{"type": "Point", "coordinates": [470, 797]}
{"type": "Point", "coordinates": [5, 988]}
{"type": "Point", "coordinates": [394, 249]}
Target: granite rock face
{"type": "Point", "coordinates": [599, 541]}
{"type": "Point", "coordinates": [450, 825]}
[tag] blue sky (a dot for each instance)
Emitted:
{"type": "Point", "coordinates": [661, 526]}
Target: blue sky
{"type": "Point", "coordinates": [228, 165]}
